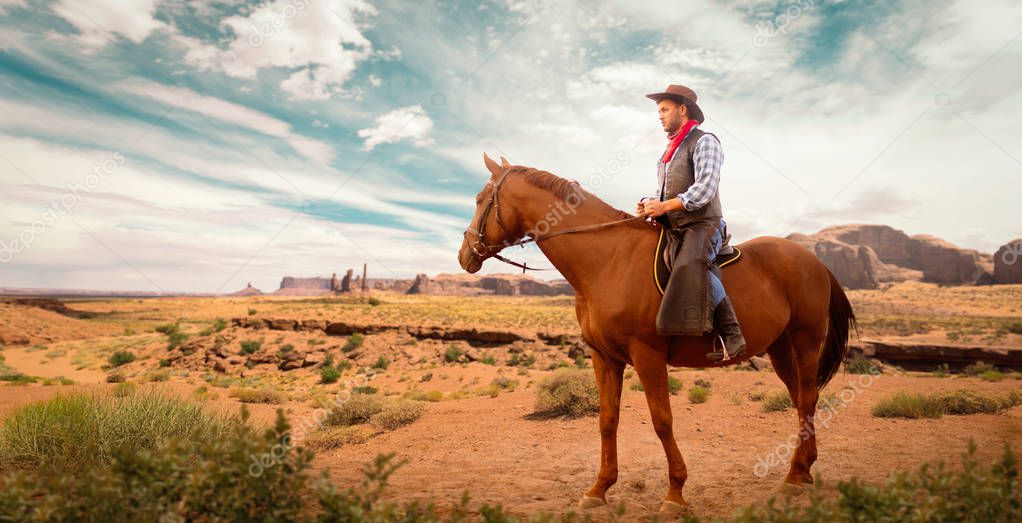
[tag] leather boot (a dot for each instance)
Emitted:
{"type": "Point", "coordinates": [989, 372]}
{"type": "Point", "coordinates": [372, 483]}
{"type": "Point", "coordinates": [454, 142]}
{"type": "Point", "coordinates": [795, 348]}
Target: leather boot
{"type": "Point", "coordinates": [730, 333]}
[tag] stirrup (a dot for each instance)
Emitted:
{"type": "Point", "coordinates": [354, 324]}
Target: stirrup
{"type": "Point", "coordinates": [723, 348]}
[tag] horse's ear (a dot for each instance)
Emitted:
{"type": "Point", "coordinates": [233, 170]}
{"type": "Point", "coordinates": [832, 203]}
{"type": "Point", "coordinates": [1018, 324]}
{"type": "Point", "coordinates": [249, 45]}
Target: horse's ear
{"type": "Point", "coordinates": [504, 163]}
{"type": "Point", "coordinates": [491, 165]}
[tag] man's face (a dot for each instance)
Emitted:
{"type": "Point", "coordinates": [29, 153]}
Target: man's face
{"type": "Point", "coordinates": [672, 115]}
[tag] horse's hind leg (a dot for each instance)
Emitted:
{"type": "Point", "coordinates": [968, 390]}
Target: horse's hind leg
{"type": "Point", "coordinates": [651, 366]}
{"type": "Point", "coordinates": [806, 357]}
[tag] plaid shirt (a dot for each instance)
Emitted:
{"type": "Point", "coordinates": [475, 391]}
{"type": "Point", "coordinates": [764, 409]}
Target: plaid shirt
{"type": "Point", "coordinates": [707, 158]}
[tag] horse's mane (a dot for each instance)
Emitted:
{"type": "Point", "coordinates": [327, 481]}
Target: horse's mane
{"type": "Point", "coordinates": [563, 188]}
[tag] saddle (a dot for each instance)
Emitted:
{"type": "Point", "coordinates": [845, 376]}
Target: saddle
{"type": "Point", "coordinates": [661, 271]}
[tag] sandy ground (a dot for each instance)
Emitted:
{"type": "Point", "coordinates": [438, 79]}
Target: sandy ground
{"type": "Point", "coordinates": [492, 447]}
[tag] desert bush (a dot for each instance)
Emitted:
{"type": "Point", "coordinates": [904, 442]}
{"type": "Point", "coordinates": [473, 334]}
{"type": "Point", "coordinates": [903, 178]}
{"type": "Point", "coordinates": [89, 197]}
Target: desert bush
{"type": "Point", "coordinates": [329, 374]}
{"type": "Point", "coordinates": [992, 375]}
{"type": "Point", "coordinates": [488, 360]}
{"type": "Point", "coordinates": [115, 378]}
{"type": "Point", "coordinates": [121, 390]}
{"type": "Point", "coordinates": [975, 369]}
{"type": "Point", "coordinates": [168, 329]}
{"type": "Point", "coordinates": [178, 479]}
{"type": "Point", "coordinates": [218, 325]}
{"type": "Point", "coordinates": [59, 380]}
{"type": "Point", "coordinates": [777, 401]}
{"type": "Point", "coordinates": [359, 408]}
{"type": "Point", "coordinates": [398, 414]}
{"type": "Point", "coordinates": [250, 346]}
{"type": "Point", "coordinates": [251, 395]}
{"type": "Point", "coordinates": [934, 493]}
{"type": "Point", "coordinates": [860, 364]}
{"type": "Point", "coordinates": [381, 363]}
{"type": "Point", "coordinates": [674, 385]}
{"type": "Point", "coordinates": [374, 302]}
{"type": "Point", "coordinates": [706, 384]}
{"type": "Point", "coordinates": [364, 389]}
{"type": "Point", "coordinates": [121, 357]}
{"type": "Point", "coordinates": [908, 405]}
{"type": "Point", "coordinates": [334, 437]}
{"type": "Point", "coordinates": [1014, 327]}
{"type": "Point", "coordinates": [175, 340]}
{"type": "Point", "coordinates": [570, 393]}
{"type": "Point", "coordinates": [637, 386]}
{"type": "Point", "coordinates": [252, 312]}
{"type": "Point", "coordinates": [453, 354]}
{"type": "Point", "coordinates": [698, 394]}
{"type": "Point", "coordinates": [757, 395]}
{"type": "Point", "coordinates": [914, 405]}
{"type": "Point", "coordinates": [160, 375]}
{"type": "Point", "coordinates": [354, 341]}
{"type": "Point", "coordinates": [421, 395]}
{"type": "Point", "coordinates": [78, 429]}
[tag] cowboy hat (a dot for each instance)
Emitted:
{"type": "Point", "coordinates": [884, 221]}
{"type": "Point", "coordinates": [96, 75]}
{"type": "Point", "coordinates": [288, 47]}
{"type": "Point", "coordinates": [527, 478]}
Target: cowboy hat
{"type": "Point", "coordinates": [681, 94]}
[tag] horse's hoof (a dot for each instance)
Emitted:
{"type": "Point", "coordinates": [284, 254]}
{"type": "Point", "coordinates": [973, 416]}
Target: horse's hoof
{"type": "Point", "coordinates": [791, 489]}
{"type": "Point", "coordinates": [670, 509]}
{"type": "Point", "coordinates": [589, 502]}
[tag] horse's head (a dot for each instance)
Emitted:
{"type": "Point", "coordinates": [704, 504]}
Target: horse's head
{"type": "Point", "coordinates": [494, 225]}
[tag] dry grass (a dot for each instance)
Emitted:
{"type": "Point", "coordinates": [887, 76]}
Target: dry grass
{"type": "Point", "coordinates": [246, 395]}
{"type": "Point", "coordinates": [570, 393]}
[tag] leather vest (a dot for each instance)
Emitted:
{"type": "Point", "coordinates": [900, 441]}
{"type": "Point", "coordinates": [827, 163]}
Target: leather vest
{"type": "Point", "coordinates": [678, 175]}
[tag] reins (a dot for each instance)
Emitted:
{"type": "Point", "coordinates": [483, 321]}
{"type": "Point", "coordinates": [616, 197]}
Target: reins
{"type": "Point", "coordinates": [492, 251]}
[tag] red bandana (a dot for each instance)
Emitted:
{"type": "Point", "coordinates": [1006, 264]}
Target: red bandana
{"type": "Point", "coordinates": [676, 138]}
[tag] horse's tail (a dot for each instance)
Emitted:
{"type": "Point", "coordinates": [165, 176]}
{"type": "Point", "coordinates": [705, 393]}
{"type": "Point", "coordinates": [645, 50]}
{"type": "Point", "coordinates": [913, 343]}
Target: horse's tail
{"type": "Point", "coordinates": [835, 348]}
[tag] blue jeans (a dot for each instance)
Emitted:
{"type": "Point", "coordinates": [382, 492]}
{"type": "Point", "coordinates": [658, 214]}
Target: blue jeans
{"type": "Point", "coordinates": [716, 287]}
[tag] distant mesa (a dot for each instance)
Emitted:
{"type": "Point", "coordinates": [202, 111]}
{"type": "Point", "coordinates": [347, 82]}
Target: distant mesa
{"type": "Point", "coordinates": [247, 291]}
{"type": "Point", "coordinates": [441, 284]}
{"type": "Point", "coordinates": [866, 256]}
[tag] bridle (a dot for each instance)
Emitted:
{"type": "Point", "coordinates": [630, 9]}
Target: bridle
{"type": "Point", "coordinates": [484, 251]}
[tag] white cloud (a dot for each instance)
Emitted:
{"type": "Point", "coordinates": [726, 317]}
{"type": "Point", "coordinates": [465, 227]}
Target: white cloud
{"type": "Point", "coordinates": [407, 123]}
{"type": "Point", "coordinates": [321, 40]}
{"type": "Point", "coordinates": [233, 113]}
{"type": "Point", "coordinates": [95, 18]}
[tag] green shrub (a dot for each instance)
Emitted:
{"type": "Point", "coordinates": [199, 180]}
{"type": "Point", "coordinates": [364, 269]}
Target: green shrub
{"type": "Point", "coordinates": [1014, 327]}
{"type": "Point", "coordinates": [637, 386]}
{"type": "Point", "coordinates": [570, 393]}
{"type": "Point", "coordinates": [168, 329]}
{"type": "Point", "coordinates": [329, 374]}
{"type": "Point", "coordinates": [359, 408]}
{"type": "Point", "coordinates": [934, 493]}
{"type": "Point", "coordinates": [17, 378]}
{"type": "Point", "coordinates": [915, 405]}
{"type": "Point", "coordinates": [354, 341]}
{"type": "Point", "coordinates": [421, 395]}
{"type": "Point", "coordinates": [382, 363]}
{"type": "Point", "coordinates": [908, 405]}
{"type": "Point", "coordinates": [251, 346]}
{"type": "Point", "coordinates": [161, 375]}
{"type": "Point", "coordinates": [123, 389]}
{"type": "Point", "coordinates": [992, 375]}
{"type": "Point", "coordinates": [698, 394]}
{"type": "Point", "coordinates": [488, 360]}
{"type": "Point", "coordinates": [243, 474]}
{"type": "Point", "coordinates": [777, 401]}
{"type": "Point", "coordinates": [860, 364]}
{"type": "Point", "coordinates": [453, 354]}
{"type": "Point", "coordinates": [78, 429]}
{"type": "Point", "coordinates": [374, 302]}
{"type": "Point", "coordinates": [333, 437]}
{"type": "Point", "coordinates": [164, 363]}
{"type": "Point", "coordinates": [175, 340]}
{"type": "Point", "coordinates": [249, 395]}
{"type": "Point", "coordinates": [517, 360]}
{"type": "Point", "coordinates": [975, 369]}
{"type": "Point", "coordinates": [706, 384]}
{"type": "Point", "coordinates": [251, 312]}
{"type": "Point", "coordinates": [216, 327]}
{"type": "Point", "coordinates": [115, 378]}
{"type": "Point", "coordinates": [398, 414]}
{"type": "Point", "coordinates": [286, 348]}
{"type": "Point", "coordinates": [121, 357]}
{"type": "Point", "coordinates": [59, 380]}
{"type": "Point", "coordinates": [674, 385]}
{"type": "Point", "coordinates": [364, 389]}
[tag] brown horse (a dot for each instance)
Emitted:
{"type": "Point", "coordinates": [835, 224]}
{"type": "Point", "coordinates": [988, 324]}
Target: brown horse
{"type": "Point", "coordinates": [788, 303]}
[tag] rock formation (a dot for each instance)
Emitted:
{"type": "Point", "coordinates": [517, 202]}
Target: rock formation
{"type": "Point", "coordinates": [1008, 263]}
{"type": "Point", "coordinates": [346, 281]}
{"type": "Point", "coordinates": [335, 284]}
{"type": "Point", "coordinates": [420, 285]}
{"type": "Point", "coordinates": [863, 256]}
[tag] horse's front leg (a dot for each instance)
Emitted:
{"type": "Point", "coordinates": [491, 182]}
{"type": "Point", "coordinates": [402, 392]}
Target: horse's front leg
{"type": "Point", "coordinates": [609, 375]}
{"type": "Point", "coordinates": [651, 366]}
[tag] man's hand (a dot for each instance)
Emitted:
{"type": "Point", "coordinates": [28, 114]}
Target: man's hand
{"type": "Point", "coordinates": [654, 208]}
{"type": "Point", "coordinates": [640, 209]}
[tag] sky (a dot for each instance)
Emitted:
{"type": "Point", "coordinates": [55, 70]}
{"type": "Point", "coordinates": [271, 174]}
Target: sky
{"type": "Point", "coordinates": [177, 146]}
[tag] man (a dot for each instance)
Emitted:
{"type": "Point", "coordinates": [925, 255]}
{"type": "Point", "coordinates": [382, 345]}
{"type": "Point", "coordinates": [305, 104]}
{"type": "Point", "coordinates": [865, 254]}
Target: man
{"type": "Point", "coordinates": [688, 204]}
